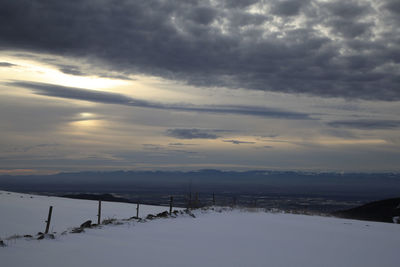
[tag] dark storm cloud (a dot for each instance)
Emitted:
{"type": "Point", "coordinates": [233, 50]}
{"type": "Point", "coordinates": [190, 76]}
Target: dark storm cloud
{"type": "Point", "coordinates": [239, 3]}
{"type": "Point", "coordinates": [119, 99]}
{"type": "Point", "coordinates": [346, 49]}
{"type": "Point", "coordinates": [75, 70]}
{"type": "Point", "coordinates": [393, 6]}
{"type": "Point", "coordinates": [344, 18]}
{"type": "Point", "coordinates": [347, 9]}
{"type": "Point", "coordinates": [367, 124]}
{"type": "Point", "coordinates": [237, 142]}
{"type": "Point", "coordinates": [6, 64]}
{"type": "Point", "coordinates": [349, 29]}
{"type": "Point", "coordinates": [202, 15]}
{"type": "Point", "coordinates": [192, 134]}
{"type": "Point", "coordinates": [288, 8]}
{"type": "Point", "coordinates": [240, 19]}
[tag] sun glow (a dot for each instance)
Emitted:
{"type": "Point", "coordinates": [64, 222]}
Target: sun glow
{"type": "Point", "coordinates": [35, 71]}
{"type": "Point", "coordinates": [86, 115]}
{"type": "Point", "coordinates": [86, 123]}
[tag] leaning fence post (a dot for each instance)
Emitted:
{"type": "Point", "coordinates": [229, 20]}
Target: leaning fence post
{"type": "Point", "coordinates": [99, 213]}
{"type": "Point", "coordinates": [170, 204]}
{"type": "Point", "coordinates": [48, 220]}
{"type": "Point", "coordinates": [137, 210]}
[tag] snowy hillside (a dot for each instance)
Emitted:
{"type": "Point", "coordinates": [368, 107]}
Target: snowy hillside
{"type": "Point", "coordinates": [26, 214]}
{"type": "Point", "coordinates": [227, 238]}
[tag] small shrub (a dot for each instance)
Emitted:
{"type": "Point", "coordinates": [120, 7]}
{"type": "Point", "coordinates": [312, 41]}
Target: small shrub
{"type": "Point", "coordinates": [109, 221]}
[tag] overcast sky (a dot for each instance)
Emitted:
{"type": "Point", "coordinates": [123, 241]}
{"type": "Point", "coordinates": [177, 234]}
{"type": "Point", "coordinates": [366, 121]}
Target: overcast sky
{"type": "Point", "coordinates": [286, 85]}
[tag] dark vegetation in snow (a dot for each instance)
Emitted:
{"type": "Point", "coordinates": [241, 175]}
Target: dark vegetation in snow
{"type": "Point", "coordinates": [381, 211]}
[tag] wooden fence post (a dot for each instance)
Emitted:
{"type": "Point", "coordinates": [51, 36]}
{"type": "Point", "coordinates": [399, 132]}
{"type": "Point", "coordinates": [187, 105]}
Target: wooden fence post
{"type": "Point", "coordinates": [170, 204]}
{"type": "Point", "coordinates": [99, 213]}
{"type": "Point", "coordinates": [213, 199]}
{"type": "Point", "coordinates": [197, 199]}
{"type": "Point", "coordinates": [48, 220]}
{"type": "Point", "coordinates": [190, 200]}
{"type": "Point", "coordinates": [137, 210]}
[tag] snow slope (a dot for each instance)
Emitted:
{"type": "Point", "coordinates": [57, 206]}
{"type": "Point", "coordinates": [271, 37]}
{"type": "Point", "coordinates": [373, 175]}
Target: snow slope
{"type": "Point", "coordinates": [232, 238]}
{"type": "Point", "coordinates": [26, 214]}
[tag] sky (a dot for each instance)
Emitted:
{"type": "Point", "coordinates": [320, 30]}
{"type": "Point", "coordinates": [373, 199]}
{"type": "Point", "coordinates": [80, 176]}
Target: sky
{"type": "Point", "coordinates": [104, 85]}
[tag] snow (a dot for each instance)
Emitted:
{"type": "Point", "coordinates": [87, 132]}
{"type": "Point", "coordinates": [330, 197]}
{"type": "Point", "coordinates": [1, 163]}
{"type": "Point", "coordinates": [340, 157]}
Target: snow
{"type": "Point", "coordinates": [228, 238]}
{"type": "Point", "coordinates": [26, 214]}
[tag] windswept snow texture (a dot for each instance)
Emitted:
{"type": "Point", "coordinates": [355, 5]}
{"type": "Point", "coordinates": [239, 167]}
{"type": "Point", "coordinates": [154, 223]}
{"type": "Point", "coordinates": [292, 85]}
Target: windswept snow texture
{"type": "Point", "coordinates": [233, 238]}
{"type": "Point", "coordinates": [22, 214]}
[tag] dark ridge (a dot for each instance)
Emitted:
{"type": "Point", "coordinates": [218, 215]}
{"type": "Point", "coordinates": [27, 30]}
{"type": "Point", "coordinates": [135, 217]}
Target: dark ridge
{"type": "Point", "coordinates": [380, 211]}
{"type": "Point", "coordinates": [102, 197]}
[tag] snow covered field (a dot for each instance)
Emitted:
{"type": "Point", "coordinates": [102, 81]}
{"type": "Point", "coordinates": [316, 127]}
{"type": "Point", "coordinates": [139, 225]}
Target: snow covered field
{"type": "Point", "coordinates": [229, 238]}
{"type": "Point", "coordinates": [26, 214]}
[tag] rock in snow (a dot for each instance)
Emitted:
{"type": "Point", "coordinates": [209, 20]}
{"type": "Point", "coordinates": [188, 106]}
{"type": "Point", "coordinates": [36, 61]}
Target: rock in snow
{"type": "Point", "coordinates": [86, 224]}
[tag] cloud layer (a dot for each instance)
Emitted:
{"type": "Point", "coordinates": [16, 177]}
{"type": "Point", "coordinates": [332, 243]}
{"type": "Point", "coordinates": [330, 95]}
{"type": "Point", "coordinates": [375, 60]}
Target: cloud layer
{"type": "Point", "coordinates": [6, 64]}
{"type": "Point", "coordinates": [334, 48]}
{"type": "Point", "coordinates": [367, 124]}
{"type": "Point", "coordinates": [192, 133]}
{"type": "Point", "coordinates": [238, 142]}
{"type": "Point", "coordinates": [119, 99]}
